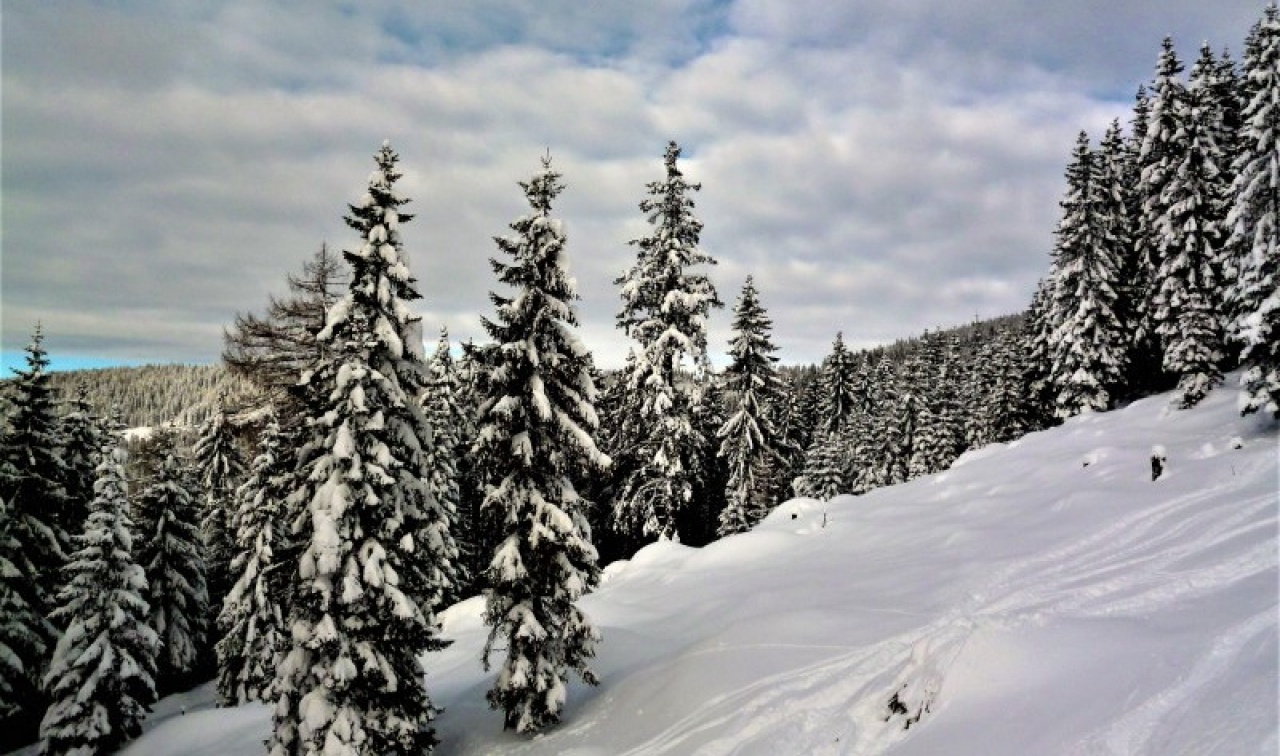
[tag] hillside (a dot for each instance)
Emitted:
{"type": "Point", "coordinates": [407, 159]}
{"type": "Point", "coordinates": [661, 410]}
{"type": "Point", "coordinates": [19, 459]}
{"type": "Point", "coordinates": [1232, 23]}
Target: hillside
{"type": "Point", "coordinates": [154, 394]}
{"type": "Point", "coordinates": [1041, 597]}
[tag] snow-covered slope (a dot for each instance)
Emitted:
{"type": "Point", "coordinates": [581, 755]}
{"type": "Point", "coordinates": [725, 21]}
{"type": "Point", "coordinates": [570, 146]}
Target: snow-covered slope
{"type": "Point", "coordinates": [1044, 597]}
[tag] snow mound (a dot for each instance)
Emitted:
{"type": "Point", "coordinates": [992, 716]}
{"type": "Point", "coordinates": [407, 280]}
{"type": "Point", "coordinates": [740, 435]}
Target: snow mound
{"type": "Point", "coordinates": [1022, 602]}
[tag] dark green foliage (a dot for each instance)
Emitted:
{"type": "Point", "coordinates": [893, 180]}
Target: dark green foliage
{"type": "Point", "coordinates": [537, 417]}
{"type": "Point", "coordinates": [100, 680]}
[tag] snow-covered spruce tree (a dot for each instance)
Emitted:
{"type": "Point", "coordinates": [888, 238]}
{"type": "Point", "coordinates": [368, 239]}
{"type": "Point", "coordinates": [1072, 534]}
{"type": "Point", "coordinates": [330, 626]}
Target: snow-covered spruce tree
{"type": "Point", "coordinates": [219, 467]}
{"type": "Point", "coordinates": [798, 403]}
{"type": "Point", "coordinates": [26, 635]}
{"type": "Point", "coordinates": [939, 438]}
{"type": "Point", "coordinates": [81, 433]}
{"type": "Point", "coordinates": [537, 416]}
{"type": "Point", "coordinates": [1088, 340]}
{"type": "Point", "coordinates": [33, 544]}
{"type": "Point", "coordinates": [1146, 369]}
{"type": "Point", "coordinates": [448, 421]}
{"type": "Point", "coordinates": [1212, 110]}
{"type": "Point", "coordinates": [378, 554]}
{"type": "Point", "coordinates": [902, 433]}
{"type": "Point", "coordinates": [749, 439]}
{"type": "Point", "coordinates": [171, 551]}
{"type": "Point", "coordinates": [1037, 338]}
{"type": "Point", "coordinates": [665, 305]}
{"type": "Point", "coordinates": [100, 682]}
{"type": "Point", "coordinates": [1163, 146]}
{"type": "Point", "coordinates": [1005, 403]}
{"type": "Point", "coordinates": [870, 446]}
{"type": "Point", "coordinates": [823, 474]}
{"type": "Point", "coordinates": [1254, 222]}
{"type": "Point", "coordinates": [1187, 218]}
{"type": "Point", "coordinates": [1116, 205]}
{"type": "Point", "coordinates": [839, 400]}
{"type": "Point", "coordinates": [252, 619]}
{"type": "Point", "coordinates": [621, 412]}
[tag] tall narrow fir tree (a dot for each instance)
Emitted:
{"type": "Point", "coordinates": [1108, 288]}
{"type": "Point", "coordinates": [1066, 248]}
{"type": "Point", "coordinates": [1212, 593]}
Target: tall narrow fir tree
{"type": "Point", "coordinates": [378, 552]}
{"type": "Point", "coordinates": [665, 305]}
{"type": "Point", "coordinates": [537, 419]}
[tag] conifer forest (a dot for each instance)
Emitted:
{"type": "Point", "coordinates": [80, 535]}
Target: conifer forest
{"type": "Point", "coordinates": [293, 522]}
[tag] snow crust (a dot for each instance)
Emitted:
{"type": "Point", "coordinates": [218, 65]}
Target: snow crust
{"type": "Point", "coordinates": [1019, 603]}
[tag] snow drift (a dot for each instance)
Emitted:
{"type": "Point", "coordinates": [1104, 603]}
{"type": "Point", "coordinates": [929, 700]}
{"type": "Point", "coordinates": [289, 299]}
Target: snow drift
{"type": "Point", "coordinates": [1041, 597]}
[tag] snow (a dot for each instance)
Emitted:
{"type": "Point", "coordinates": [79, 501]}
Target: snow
{"type": "Point", "coordinates": [1018, 603]}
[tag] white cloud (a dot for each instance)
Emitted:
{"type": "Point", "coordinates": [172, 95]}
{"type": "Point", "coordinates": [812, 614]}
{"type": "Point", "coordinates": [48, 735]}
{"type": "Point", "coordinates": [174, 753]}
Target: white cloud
{"type": "Point", "coordinates": [878, 171]}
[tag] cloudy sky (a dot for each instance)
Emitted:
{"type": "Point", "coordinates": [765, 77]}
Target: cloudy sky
{"type": "Point", "coordinates": [880, 166]}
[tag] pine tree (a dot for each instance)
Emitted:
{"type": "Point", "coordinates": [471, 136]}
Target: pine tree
{"type": "Point", "coordinates": [219, 466]}
{"type": "Point", "coordinates": [1187, 223]}
{"type": "Point", "coordinates": [171, 551]}
{"type": "Point", "coordinates": [1254, 222]}
{"type": "Point", "coordinates": [252, 618]}
{"type": "Point", "coordinates": [100, 680]}
{"type": "Point", "coordinates": [378, 551]}
{"type": "Point", "coordinates": [749, 439]}
{"type": "Point", "coordinates": [537, 417]}
{"type": "Point", "coordinates": [665, 305]}
{"type": "Point", "coordinates": [1088, 340]}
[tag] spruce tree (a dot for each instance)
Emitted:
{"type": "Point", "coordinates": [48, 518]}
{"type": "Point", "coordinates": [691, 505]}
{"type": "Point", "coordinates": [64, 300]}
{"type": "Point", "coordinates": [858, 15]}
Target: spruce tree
{"type": "Point", "coordinates": [26, 635]}
{"type": "Point", "coordinates": [1006, 402]}
{"type": "Point", "coordinates": [377, 549]}
{"type": "Point", "coordinates": [749, 439]}
{"type": "Point", "coordinates": [1187, 222]}
{"type": "Point", "coordinates": [1254, 223]}
{"type": "Point", "coordinates": [34, 538]}
{"type": "Point", "coordinates": [537, 417]}
{"type": "Point", "coordinates": [100, 680]}
{"type": "Point", "coordinates": [665, 305]}
{"type": "Point", "coordinates": [939, 436]}
{"type": "Point", "coordinates": [449, 421]}
{"type": "Point", "coordinates": [171, 551]}
{"type": "Point", "coordinates": [1146, 370]}
{"type": "Point", "coordinates": [869, 445]}
{"type": "Point", "coordinates": [1088, 339]}
{"type": "Point", "coordinates": [839, 394]}
{"type": "Point", "coordinates": [822, 476]}
{"type": "Point", "coordinates": [252, 618]}
{"type": "Point", "coordinates": [1037, 364]}
{"type": "Point", "coordinates": [82, 434]}
{"type": "Point", "coordinates": [1215, 109]}
{"type": "Point", "coordinates": [219, 467]}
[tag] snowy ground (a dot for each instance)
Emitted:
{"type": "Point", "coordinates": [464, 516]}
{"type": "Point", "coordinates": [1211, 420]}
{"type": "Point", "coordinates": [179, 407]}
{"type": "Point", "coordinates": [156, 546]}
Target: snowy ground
{"type": "Point", "coordinates": [1044, 597]}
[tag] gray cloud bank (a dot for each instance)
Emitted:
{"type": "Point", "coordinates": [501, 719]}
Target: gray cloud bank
{"type": "Point", "coordinates": [880, 167]}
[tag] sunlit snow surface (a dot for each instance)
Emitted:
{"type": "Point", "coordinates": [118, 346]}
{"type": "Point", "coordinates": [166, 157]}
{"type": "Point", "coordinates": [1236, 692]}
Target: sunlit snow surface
{"type": "Point", "coordinates": [1044, 597]}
